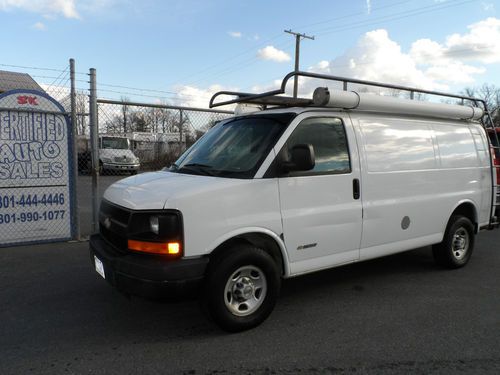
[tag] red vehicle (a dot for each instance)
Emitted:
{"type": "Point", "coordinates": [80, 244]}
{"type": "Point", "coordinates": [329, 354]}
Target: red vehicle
{"type": "Point", "coordinates": [494, 135]}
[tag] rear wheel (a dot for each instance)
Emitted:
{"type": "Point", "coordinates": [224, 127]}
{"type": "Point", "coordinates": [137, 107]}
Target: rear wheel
{"type": "Point", "coordinates": [458, 243]}
{"type": "Point", "coordinates": [241, 288]}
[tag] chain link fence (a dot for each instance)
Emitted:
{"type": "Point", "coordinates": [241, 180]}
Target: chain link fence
{"type": "Point", "coordinates": [120, 138]}
{"type": "Point", "coordinates": [61, 159]}
{"type": "Point", "coordinates": [136, 137]}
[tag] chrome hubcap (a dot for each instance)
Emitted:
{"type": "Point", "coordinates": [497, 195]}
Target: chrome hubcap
{"type": "Point", "coordinates": [460, 243]}
{"type": "Point", "coordinates": [245, 290]}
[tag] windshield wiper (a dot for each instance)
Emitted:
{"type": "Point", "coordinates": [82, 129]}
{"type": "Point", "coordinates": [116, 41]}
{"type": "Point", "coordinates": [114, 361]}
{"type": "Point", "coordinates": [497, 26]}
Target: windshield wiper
{"type": "Point", "coordinates": [197, 167]}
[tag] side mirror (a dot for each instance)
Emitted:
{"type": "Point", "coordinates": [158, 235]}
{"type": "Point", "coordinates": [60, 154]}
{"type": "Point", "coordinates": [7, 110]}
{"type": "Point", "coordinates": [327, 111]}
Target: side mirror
{"type": "Point", "coordinates": [302, 159]}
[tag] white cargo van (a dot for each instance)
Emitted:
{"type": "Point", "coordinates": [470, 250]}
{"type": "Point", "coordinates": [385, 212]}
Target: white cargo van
{"type": "Point", "coordinates": [305, 185]}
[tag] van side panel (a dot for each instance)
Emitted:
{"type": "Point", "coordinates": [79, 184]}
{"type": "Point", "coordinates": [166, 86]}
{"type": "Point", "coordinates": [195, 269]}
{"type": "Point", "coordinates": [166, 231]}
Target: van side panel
{"type": "Point", "coordinates": [464, 158]}
{"type": "Point", "coordinates": [415, 172]}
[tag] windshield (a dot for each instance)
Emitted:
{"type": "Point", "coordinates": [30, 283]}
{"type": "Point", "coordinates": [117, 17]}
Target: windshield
{"type": "Point", "coordinates": [115, 143]}
{"type": "Point", "coordinates": [234, 148]}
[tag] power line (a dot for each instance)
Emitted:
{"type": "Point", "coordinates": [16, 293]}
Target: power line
{"type": "Point", "coordinates": [136, 88]}
{"type": "Point", "coordinates": [154, 96]}
{"type": "Point", "coordinates": [224, 61]}
{"type": "Point", "coordinates": [239, 66]}
{"type": "Point", "coordinates": [391, 17]}
{"type": "Point", "coordinates": [374, 9]}
{"type": "Point", "coordinates": [32, 67]}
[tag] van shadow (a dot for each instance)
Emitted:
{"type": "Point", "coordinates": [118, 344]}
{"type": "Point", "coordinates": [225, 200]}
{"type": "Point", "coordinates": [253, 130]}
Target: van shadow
{"type": "Point", "coordinates": [356, 276]}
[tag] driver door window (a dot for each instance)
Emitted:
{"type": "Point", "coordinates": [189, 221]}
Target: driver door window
{"type": "Point", "coordinates": [329, 141]}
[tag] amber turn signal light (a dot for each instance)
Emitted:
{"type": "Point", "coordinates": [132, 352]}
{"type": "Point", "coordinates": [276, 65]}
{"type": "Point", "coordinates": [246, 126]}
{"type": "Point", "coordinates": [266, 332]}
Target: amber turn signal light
{"type": "Point", "coordinates": [168, 248]}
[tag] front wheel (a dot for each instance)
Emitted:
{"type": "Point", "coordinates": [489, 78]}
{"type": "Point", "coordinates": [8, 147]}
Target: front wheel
{"type": "Point", "coordinates": [458, 243]}
{"type": "Point", "coordinates": [241, 288]}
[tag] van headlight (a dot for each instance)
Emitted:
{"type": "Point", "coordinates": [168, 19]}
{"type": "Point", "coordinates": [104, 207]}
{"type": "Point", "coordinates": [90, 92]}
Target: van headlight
{"type": "Point", "coordinates": [156, 232]}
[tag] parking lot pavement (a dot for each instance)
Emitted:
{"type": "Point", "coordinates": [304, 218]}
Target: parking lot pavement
{"type": "Point", "coordinates": [393, 315]}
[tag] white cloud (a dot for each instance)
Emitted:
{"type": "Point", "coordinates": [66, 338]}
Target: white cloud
{"type": "Point", "coordinates": [428, 64]}
{"type": "Point", "coordinates": [45, 7]}
{"type": "Point", "coordinates": [377, 58]}
{"type": "Point", "coordinates": [368, 6]}
{"type": "Point", "coordinates": [455, 72]}
{"type": "Point", "coordinates": [235, 34]}
{"type": "Point", "coordinates": [40, 26]}
{"type": "Point", "coordinates": [192, 96]}
{"type": "Point", "coordinates": [481, 43]}
{"type": "Point", "coordinates": [273, 54]}
{"type": "Point", "coordinates": [50, 9]}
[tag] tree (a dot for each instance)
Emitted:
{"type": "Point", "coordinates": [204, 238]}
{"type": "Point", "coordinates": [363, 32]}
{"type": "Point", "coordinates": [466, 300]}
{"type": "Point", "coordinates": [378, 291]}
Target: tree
{"type": "Point", "coordinates": [159, 120]}
{"type": "Point", "coordinates": [491, 95]}
{"type": "Point", "coordinates": [138, 122]}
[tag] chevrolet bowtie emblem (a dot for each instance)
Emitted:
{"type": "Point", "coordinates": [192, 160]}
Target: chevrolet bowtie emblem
{"type": "Point", "coordinates": [107, 223]}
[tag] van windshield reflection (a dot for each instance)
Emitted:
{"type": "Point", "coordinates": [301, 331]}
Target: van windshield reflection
{"type": "Point", "coordinates": [234, 148]}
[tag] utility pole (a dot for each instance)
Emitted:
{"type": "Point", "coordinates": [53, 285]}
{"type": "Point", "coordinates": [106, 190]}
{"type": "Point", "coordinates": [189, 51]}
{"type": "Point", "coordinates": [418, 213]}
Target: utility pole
{"type": "Point", "coordinates": [298, 38]}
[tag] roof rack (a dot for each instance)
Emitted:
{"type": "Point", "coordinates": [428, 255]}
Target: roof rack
{"type": "Point", "coordinates": [273, 98]}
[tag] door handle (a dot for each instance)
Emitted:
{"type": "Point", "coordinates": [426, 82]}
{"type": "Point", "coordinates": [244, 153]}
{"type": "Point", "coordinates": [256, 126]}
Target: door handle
{"type": "Point", "coordinates": [355, 189]}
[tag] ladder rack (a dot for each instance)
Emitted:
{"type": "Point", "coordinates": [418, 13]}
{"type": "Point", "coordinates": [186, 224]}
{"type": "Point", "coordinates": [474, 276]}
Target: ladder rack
{"type": "Point", "coordinates": [272, 98]}
{"type": "Point", "coordinates": [276, 98]}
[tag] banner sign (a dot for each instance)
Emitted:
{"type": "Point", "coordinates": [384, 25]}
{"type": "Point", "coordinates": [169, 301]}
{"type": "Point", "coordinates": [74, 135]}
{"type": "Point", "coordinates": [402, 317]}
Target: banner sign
{"type": "Point", "coordinates": [35, 168]}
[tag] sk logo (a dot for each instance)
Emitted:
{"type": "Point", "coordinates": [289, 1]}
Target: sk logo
{"type": "Point", "coordinates": [25, 99]}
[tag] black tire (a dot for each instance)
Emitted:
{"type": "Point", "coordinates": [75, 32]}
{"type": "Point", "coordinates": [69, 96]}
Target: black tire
{"type": "Point", "coordinates": [458, 243]}
{"type": "Point", "coordinates": [244, 271]}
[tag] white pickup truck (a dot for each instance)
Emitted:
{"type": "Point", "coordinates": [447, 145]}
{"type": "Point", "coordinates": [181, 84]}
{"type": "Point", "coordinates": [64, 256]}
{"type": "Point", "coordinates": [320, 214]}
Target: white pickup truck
{"type": "Point", "coordinates": [306, 185]}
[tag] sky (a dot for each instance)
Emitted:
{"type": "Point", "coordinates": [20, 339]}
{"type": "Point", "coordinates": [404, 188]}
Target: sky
{"type": "Point", "coordinates": [182, 51]}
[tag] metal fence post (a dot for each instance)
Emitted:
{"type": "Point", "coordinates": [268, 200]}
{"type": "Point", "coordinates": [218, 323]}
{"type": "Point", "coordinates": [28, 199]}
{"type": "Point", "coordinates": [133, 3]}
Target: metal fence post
{"type": "Point", "coordinates": [181, 125]}
{"type": "Point", "coordinates": [94, 144]}
{"type": "Point", "coordinates": [74, 128]}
